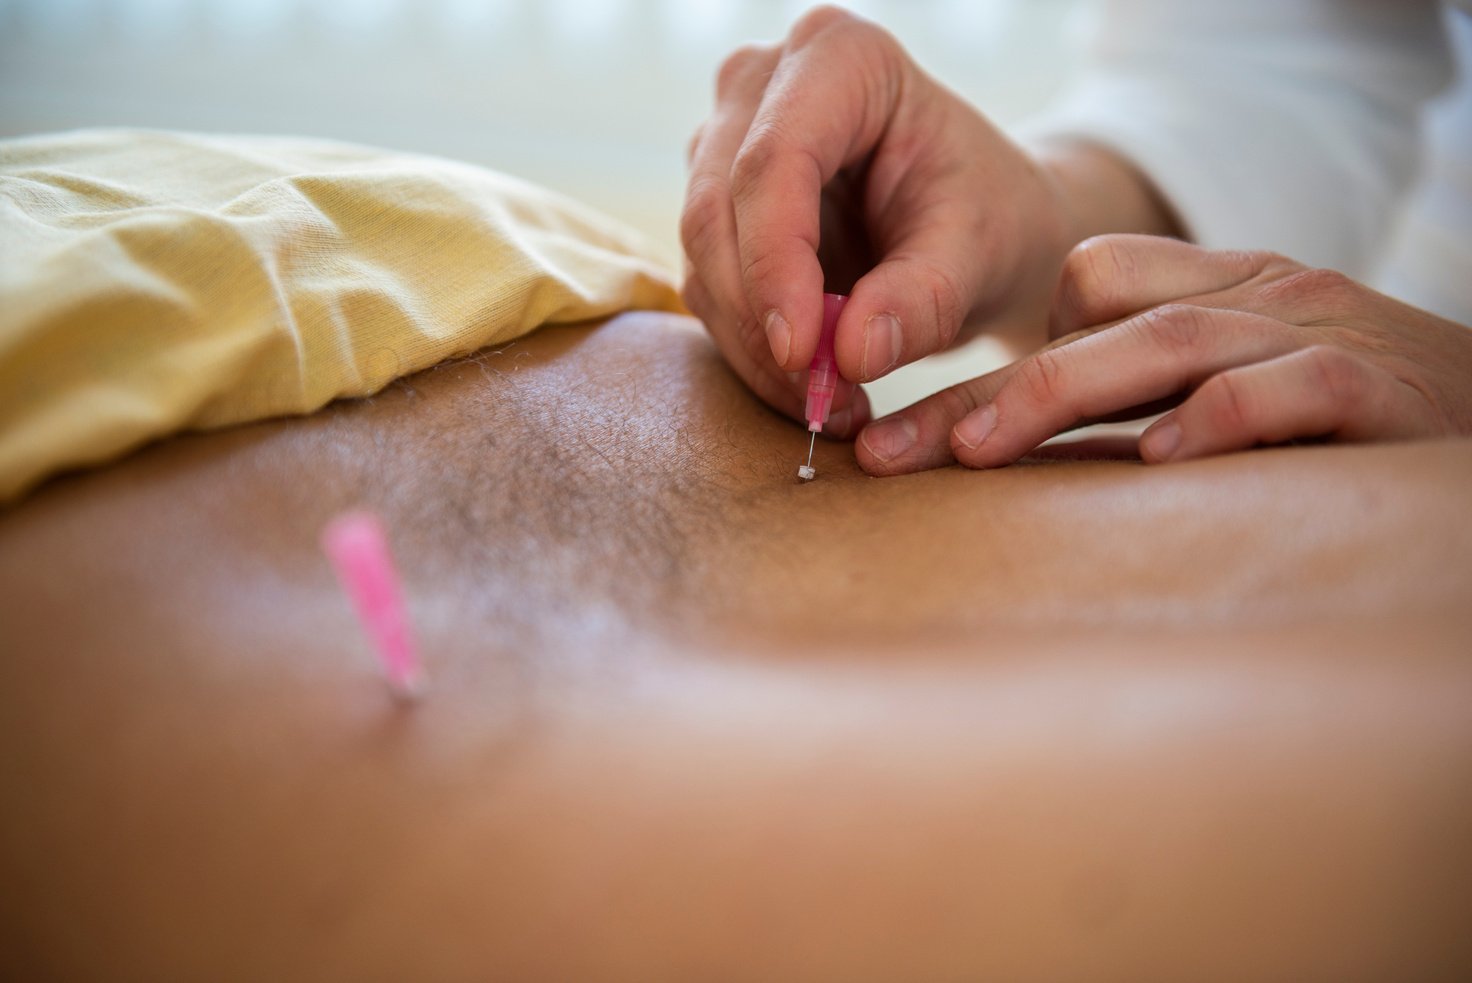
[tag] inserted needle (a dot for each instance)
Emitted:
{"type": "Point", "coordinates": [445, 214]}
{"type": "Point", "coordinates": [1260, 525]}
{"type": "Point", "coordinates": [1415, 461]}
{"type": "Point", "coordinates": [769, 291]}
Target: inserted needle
{"type": "Point", "coordinates": [356, 544]}
{"type": "Point", "coordinates": [805, 471]}
{"type": "Point", "coordinates": [822, 380]}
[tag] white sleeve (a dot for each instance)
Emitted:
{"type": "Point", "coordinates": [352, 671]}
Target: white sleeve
{"type": "Point", "coordinates": [1292, 125]}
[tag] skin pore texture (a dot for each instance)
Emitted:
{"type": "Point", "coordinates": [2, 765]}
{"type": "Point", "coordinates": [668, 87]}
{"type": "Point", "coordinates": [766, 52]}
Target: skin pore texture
{"type": "Point", "coordinates": [688, 718]}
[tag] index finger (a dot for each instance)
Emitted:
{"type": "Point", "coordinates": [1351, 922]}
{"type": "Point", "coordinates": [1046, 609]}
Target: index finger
{"type": "Point", "coordinates": [817, 115]}
{"type": "Point", "coordinates": [1111, 277]}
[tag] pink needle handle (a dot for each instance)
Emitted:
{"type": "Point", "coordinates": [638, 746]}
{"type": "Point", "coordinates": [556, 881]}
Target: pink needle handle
{"type": "Point", "coordinates": [358, 548]}
{"type": "Point", "coordinates": [823, 372]}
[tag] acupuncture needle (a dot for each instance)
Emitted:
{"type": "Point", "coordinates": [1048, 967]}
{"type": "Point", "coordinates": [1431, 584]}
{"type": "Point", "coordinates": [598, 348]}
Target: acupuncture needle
{"type": "Point", "coordinates": [822, 380]}
{"type": "Point", "coordinates": [357, 545]}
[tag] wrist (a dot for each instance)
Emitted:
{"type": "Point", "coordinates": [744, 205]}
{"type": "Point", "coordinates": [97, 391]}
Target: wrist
{"type": "Point", "coordinates": [1099, 192]}
{"type": "Point", "coordinates": [1045, 225]}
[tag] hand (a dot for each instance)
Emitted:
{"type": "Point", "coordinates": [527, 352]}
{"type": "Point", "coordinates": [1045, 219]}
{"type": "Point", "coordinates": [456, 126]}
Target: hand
{"type": "Point", "coordinates": [1251, 348]}
{"type": "Point", "coordinates": [831, 160]}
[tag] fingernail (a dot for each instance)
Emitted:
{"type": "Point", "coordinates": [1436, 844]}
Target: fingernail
{"type": "Point", "coordinates": [840, 420]}
{"type": "Point", "coordinates": [779, 336]}
{"type": "Point", "coordinates": [1162, 440]}
{"type": "Point", "coordinates": [888, 439]}
{"type": "Point", "coordinates": [975, 428]}
{"type": "Point", "coordinates": [881, 345]}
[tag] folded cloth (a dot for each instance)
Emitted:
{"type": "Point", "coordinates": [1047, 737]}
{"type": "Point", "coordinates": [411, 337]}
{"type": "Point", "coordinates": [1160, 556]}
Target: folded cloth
{"type": "Point", "coordinates": [156, 282]}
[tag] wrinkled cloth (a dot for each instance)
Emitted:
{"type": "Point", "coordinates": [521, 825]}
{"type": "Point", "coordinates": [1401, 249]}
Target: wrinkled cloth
{"type": "Point", "coordinates": [157, 282]}
{"type": "Point", "coordinates": [1338, 132]}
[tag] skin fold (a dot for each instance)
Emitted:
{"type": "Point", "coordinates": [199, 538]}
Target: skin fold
{"type": "Point", "coordinates": [689, 718]}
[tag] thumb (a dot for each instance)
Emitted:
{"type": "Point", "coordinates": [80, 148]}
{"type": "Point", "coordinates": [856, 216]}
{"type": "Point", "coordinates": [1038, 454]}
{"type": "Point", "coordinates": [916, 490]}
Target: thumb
{"type": "Point", "coordinates": [912, 304]}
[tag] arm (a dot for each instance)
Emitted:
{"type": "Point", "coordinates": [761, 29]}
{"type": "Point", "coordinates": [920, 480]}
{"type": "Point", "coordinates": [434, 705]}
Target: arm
{"type": "Point", "coordinates": [1291, 126]}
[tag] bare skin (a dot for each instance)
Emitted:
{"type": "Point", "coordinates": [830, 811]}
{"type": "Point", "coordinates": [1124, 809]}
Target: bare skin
{"type": "Point", "coordinates": [691, 719]}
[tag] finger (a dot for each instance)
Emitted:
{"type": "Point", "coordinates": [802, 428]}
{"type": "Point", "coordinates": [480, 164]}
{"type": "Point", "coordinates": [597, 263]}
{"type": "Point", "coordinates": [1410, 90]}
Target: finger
{"type": "Point", "coordinates": [736, 336]}
{"type": "Point", "coordinates": [846, 423]}
{"type": "Point", "coordinates": [708, 231]}
{"type": "Point", "coordinates": [707, 219]}
{"type": "Point", "coordinates": [783, 391]}
{"type": "Point", "coordinates": [1314, 392]}
{"type": "Point", "coordinates": [817, 115]}
{"type": "Point", "coordinates": [918, 437]}
{"type": "Point", "coordinates": [1147, 358]}
{"type": "Point", "coordinates": [693, 143]}
{"type": "Point", "coordinates": [1107, 278]}
{"type": "Point", "coordinates": [912, 304]}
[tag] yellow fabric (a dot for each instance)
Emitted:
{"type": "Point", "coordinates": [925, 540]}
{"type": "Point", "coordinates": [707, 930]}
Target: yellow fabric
{"type": "Point", "coordinates": [153, 282]}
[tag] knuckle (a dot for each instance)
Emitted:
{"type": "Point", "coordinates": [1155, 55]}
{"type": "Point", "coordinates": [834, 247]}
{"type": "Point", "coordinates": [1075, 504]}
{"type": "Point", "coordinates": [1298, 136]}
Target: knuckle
{"type": "Point", "coordinates": [764, 258]}
{"type": "Point", "coordinates": [950, 405]}
{"type": "Point", "coordinates": [819, 19]}
{"type": "Point", "coordinates": [1096, 276]}
{"type": "Point", "coordinates": [1181, 330]}
{"type": "Point", "coordinates": [948, 301]}
{"type": "Point", "coordinates": [1255, 265]}
{"type": "Point", "coordinates": [1226, 403]}
{"type": "Point", "coordinates": [700, 221]}
{"type": "Point", "coordinates": [862, 41]}
{"type": "Point", "coordinates": [755, 159]}
{"type": "Point", "coordinates": [739, 67]}
{"type": "Point", "coordinates": [1312, 294]}
{"type": "Point", "coordinates": [695, 295]}
{"type": "Point", "coordinates": [1334, 373]}
{"type": "Point", "coordinates": [1317, 282]}
{"type": "Point", "coordinates": [1041, 378]}
{"type": "Point", "coordinates": [1273, 264]}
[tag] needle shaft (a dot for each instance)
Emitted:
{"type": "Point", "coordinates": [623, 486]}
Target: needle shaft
{"type": "Point", "coordinates": [813, 439]}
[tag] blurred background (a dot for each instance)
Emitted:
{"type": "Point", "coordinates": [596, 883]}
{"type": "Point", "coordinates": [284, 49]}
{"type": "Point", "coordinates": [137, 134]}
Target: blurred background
{"type": "Point", "coordinates": [595, 98]}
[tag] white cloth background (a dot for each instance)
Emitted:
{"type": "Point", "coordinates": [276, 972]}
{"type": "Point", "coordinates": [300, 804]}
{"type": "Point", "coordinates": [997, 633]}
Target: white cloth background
{"type": "Point", "coordinates": [1338, 132]}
